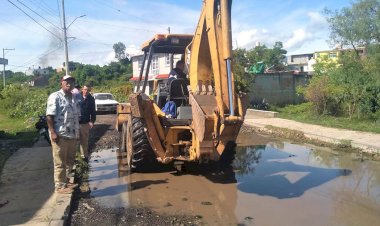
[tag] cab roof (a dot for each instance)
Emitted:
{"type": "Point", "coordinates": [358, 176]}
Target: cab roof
{"type": "Point", "coordinates": [168, 43]}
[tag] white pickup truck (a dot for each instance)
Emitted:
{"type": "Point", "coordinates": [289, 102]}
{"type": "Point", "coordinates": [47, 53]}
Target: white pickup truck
{"type": "Point", "coordinates": [105, 102]}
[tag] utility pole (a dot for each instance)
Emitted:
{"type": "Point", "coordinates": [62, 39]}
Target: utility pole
{"type": "Point", "coordinates": [65, 36]}
{"type": "Point", "coordinates": [4, 65]}
{"type": "Point", "coordinates": [65, 39]}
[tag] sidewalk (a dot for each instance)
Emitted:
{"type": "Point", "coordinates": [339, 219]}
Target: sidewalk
{"type": "Point", "coordinates": [27, 189]}
{"type": "Point", "coordinates": [369, 142]}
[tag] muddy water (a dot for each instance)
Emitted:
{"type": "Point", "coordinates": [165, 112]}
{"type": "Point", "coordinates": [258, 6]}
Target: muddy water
{"type": "Point", "coordinates": [271, 183]}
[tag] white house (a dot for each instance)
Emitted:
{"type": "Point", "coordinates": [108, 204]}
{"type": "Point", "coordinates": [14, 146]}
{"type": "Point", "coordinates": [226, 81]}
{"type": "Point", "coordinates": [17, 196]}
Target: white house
{"type": "Point", "coordinates": [159, 69]}
{"type": "Point", "coordinates": [39, 71]}
{"type": "Point", "coordinates": [299, 62]}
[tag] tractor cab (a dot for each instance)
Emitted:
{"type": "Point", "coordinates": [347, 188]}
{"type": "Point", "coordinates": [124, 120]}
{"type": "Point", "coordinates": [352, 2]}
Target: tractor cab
{"type": "Point", "coordinates": [164, 91]}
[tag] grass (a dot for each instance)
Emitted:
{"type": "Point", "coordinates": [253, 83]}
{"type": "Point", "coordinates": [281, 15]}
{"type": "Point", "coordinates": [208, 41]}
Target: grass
{"type": "Point", "coordinates": [15, 133]}
{"type": "Point", "coordinates": [302, 113]}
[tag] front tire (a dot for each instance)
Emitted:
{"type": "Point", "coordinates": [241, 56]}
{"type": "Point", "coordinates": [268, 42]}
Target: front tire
{"type": "Point", "coordinates": [142, 156]}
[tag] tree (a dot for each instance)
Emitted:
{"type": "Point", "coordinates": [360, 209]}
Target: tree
{"type": "Point", "coordinates": [243, 80]}
{"type": "Point", "coordinates": [356, 26]}
{"type": "Point", "coordinates": [272, 58]}
{"type": "Point", "coordinates": [119, 49]}
{"type": "Point", "coordinates": [276, 56]}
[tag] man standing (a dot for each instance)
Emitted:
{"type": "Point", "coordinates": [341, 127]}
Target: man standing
{"type": "Point", "coordinates": [87, 119]}
{"type": "Point", "coordinates": [63, 121]}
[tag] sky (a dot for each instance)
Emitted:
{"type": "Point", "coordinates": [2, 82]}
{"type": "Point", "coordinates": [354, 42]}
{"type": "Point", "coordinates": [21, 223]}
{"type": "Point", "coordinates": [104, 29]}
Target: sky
{"type": "Point", "coordinates": [36, 37]}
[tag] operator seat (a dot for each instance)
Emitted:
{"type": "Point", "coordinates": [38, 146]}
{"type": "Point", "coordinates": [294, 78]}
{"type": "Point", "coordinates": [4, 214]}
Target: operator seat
{"type": "Point", "coordinates": [178, 92]}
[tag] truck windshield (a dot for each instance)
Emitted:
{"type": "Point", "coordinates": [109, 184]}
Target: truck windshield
{"type": "Point", "coordinates": [104, 97]}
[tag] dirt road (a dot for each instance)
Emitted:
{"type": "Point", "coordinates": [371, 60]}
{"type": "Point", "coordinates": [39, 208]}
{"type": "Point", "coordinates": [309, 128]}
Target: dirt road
{"type": "Point", "coordinates": [271, 183]}
{"type": "Point", "coordinates": [87, 210]}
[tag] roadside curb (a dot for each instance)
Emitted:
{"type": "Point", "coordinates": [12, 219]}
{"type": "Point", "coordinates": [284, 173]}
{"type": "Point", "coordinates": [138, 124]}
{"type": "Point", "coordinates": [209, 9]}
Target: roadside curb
{"type": "Point", "coordinates": [361, 140]}
{"type": "Point", "coordinates": [61, 212]}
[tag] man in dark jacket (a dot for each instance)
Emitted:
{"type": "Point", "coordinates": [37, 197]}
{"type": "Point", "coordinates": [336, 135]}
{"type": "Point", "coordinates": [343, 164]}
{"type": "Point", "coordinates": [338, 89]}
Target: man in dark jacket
{"type": "Point", "coordinates": [177, 72]}
{"type": "Point", "coordinates": [87, 119]}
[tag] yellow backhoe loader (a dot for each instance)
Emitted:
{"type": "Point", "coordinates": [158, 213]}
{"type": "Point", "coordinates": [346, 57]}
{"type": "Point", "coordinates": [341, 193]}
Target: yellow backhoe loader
{"type": "Point", "coordinates": [209, 113]}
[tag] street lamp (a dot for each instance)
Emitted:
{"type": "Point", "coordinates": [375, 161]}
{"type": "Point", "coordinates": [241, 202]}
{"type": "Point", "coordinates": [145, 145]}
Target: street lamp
{"type": "Point", "coordinates": [65, 36]}
{"type": "Point", "coordinates": [75, 20]}
{"type": "Point", "coordinates": [4, 65]}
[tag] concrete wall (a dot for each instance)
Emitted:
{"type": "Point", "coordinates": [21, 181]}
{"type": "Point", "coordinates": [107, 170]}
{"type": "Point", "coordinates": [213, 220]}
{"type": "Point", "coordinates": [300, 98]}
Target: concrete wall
{"type": "Point", "coordinates": [277, 88]}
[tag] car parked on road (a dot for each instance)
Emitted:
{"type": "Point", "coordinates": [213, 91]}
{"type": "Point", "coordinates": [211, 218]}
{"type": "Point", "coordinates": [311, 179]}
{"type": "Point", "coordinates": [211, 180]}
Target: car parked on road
{"type": "Point", "coordinates": [105, 102]}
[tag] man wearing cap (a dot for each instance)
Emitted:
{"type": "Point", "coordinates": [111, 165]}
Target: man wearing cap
{"type": "Point", "coordinates": [63, 121]}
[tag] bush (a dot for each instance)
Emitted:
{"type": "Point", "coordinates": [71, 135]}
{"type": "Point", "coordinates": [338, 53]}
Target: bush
{"type": "Point", "coordinates": [298, 109]}
{"type": "Point", "coordinates": [323, 95]}
{"type": "Point", "coordinates": [32, 106]}
{"type": "Point", "coordinates": [23, 102]}
{"type": "Point", "coordinates": [347, 88]}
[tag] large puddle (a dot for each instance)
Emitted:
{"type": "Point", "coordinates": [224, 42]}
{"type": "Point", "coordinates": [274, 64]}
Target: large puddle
{"type": "Point", "coordinates": [271, 183]}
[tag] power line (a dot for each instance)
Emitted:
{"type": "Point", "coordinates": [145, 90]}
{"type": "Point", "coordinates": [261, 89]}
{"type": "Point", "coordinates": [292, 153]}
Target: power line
{"type": "Point", "coordinates": [16, 66]}
{"type": "Point", "coordinates": [101, 43]}
{"type": "Point", "coordinates": [122, 26]}
{"type": "Point", "coordinates": [39, 15]}
{"type": "Point", "coordinates": [34, 59]}
{"type": "Point", "coordinates": [105, 3]}
{"type": "Point", "coordinates": [43, 7]}
{"type": "Point", "coordinates": [46, 9]}
{"type": "Point", "coordinates": [35, 20]}
{"type": "Point", "coordinates": [12, 25]}
{"type": "Point", "coordinates": [59, 12]}
{"type": "Point", "coordinates": [43, 3]}
{"type": "Point", "coordinates": [109, 6]}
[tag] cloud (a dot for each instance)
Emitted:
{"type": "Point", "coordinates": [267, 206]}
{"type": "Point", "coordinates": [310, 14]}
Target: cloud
{"type": "Point", "coordinates": [122, 20]}
{"type": "Point", "coordinates": [299, 30]}
{"type": "Point", "coordinates": [298, 38]}
{"type": "Point", "coordinates": [94, 35]}
{"type": "Point", "coordinates": [317, 18]}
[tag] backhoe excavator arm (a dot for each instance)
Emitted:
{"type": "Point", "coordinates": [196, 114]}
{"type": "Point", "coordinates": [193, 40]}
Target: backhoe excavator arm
{"type": "Point", "coordinates": [211, 77]}
{"type": "Point", "coordinates": [211, 54]}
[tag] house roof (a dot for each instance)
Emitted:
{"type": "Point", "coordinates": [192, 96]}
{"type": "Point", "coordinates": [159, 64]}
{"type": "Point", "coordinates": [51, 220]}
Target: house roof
{"type": "Point", "coordinates": [160, 76]}
{"type": "Point", "coordinates": [168, 43]}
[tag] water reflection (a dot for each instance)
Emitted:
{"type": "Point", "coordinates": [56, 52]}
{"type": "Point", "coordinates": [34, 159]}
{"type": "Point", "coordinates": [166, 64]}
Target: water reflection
{"type": "Point", "coordinates": [269, 181]}
{"type": "Point", "coordinates": [265, 170]}
{"type": "Point", "coordinates": [247, 158]}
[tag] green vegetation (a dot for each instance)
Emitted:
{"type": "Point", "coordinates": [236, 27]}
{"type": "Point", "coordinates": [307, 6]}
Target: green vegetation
{"type": "Point", "coordinates": [350, 87]}
{"type": "Point", "coordinates": [305, 113]}
{"type": "Point", "coordinates": [21, 104]}
{"type": "Point", "coordinates": [346, 93]}
{"type": "Point", "coordinates": [15, 133]}
{"type": "Point", "coordinates": [244, 60]}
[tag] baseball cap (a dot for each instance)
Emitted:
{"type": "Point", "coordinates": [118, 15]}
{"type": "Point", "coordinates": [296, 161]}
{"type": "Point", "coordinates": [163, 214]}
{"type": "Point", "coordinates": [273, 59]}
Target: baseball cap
{"type": "Point", "coordinates": [66, 77]}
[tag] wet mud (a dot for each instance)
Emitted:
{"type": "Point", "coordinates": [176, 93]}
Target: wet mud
{"type": "Point", "coordinates": [271, 182]}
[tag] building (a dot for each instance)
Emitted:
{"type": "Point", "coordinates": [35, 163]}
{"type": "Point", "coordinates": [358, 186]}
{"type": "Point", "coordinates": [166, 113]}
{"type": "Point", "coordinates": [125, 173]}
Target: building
{"type": "Point", "coordinates": [299, 62]}
{"type": "Point", "coordinates": [305, 62]}
{"type": "Point", "coordinates": [159, 70]}
{"type": "Point", "coordinates": [39, 71]}
{"type": "Point", "coordinates": [334, 54]}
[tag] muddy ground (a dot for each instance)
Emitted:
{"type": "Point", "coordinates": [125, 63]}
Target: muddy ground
{"type": "Point", "coordinates": [86, 211]}
{"type": "Point", "coordinates": [271, 183]}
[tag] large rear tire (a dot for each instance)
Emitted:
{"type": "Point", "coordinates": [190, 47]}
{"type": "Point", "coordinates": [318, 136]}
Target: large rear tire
{"type": "Point", "coordinates": [142, 156]}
